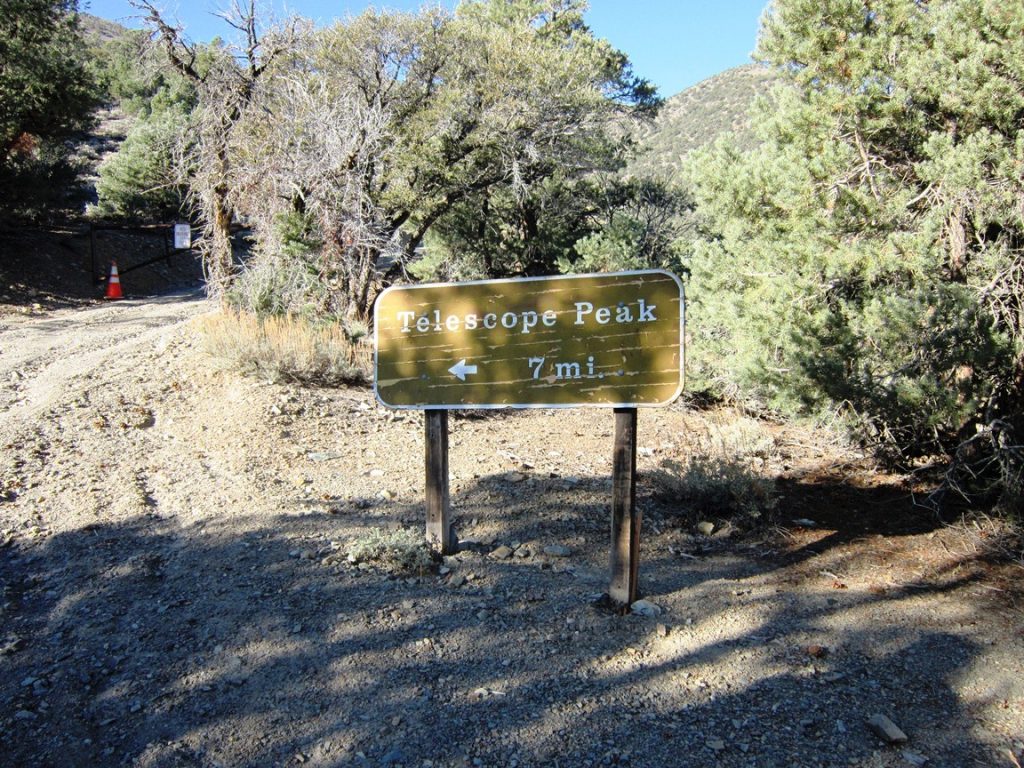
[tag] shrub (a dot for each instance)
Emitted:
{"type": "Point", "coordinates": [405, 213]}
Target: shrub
{"type": "Point", "coordinates": [398, 551]}
{"type": "Point", "coordinates": [41, 184]}
{"type": "Point", "coordinates": [138, 181]}
{"type": "Point", "coordinates": [279, 286]}
{"type": "Point", "coordinates": [717, 484]}
{"type": "Point", "coordinates": [287, 348]}
{"type": "Point", "coordinates": [864, 257]}
{"type": "Point", "coordinates": [47, 95]}
{"type": "Point", "coordinates": [719, 476]}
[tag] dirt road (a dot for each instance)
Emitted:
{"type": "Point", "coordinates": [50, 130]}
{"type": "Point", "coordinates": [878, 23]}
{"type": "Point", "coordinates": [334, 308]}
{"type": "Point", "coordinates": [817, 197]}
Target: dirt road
{"type": "Point", "coordinates": [176, 590]}
{"type": "Point", "coordinates": [53, 359]}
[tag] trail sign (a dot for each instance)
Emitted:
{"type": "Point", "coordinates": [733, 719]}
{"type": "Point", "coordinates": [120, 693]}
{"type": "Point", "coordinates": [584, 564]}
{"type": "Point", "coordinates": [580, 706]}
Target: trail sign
{"type": "Point", "coordinates": [182, 237]}
{"type": "Point", "coordinates": [611, 340]}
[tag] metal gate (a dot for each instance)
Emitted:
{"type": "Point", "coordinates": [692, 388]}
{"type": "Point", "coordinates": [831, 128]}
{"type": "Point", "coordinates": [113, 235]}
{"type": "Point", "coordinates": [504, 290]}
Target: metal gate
{"type": "Point", "coordinates": [134, 247]}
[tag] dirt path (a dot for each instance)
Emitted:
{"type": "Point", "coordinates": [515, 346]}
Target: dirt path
{"type": "Point", "coordinates": [176, 591]}
{"type": "Point", "coordinates": [52, 359]}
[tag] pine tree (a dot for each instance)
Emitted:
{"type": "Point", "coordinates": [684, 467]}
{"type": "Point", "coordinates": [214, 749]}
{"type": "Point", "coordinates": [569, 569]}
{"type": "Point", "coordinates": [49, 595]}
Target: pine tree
{"type": "Point", "coordinates": [46, 94]}
{"type": "Point", "coordinates": [141, 180]}
{"type": "Point", "coordinates": [869, 252]}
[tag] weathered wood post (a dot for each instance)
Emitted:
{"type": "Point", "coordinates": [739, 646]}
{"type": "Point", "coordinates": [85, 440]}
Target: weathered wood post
{"type": "Point", "coordinates": [436, 447]}
{"type": "Point", "coordinates": [564, 341]}
{"type": "Point", "coordinates": [625, 558]}
{"type": "Point", "coordinates": [92, 254]}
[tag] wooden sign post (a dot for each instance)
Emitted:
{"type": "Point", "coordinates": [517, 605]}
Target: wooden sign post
{"type": "Point", "coordinates": [611, 340]}
{"type": "Point", "coordinates": [439, 530]}
{"type": "Point", "coordinates": [625, 558]}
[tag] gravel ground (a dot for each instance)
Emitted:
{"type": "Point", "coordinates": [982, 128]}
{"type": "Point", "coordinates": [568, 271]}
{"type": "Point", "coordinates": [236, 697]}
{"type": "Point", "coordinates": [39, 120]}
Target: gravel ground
{"type": "Point", "coordinates": [176, 590]}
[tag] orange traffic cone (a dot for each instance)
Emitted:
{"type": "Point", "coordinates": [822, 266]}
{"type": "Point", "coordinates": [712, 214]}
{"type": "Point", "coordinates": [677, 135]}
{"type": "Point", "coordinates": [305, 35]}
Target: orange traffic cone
{"type": "Point", "coordinates": [113, 284]}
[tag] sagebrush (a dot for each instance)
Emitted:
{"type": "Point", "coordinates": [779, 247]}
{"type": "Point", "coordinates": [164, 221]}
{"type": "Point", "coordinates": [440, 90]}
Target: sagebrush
{"type": "Point", "coordinates": [717, 485]}
{"type": "Point", "coordinates": [288, 348]}
{"type": "Point", "coordinates": [397, 550]}
{"type": "Point", "coordinates": [723, 475]}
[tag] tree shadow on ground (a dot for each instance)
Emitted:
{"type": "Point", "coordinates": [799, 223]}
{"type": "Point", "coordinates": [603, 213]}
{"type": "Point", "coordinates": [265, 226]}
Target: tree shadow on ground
{"type": "Point", "coordinates": [235, 643]}
{"type": "Point", "coordinates": [57, 268]}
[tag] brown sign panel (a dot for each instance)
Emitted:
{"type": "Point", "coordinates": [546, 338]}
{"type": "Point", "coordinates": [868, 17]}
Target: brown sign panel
{"type": "Point", "coordinates": [598, 340]}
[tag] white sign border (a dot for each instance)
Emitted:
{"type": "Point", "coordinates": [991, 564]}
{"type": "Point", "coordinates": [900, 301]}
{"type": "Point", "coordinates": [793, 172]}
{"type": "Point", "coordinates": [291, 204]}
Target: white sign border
{"type": "Point", "coordinates": [534, 406]}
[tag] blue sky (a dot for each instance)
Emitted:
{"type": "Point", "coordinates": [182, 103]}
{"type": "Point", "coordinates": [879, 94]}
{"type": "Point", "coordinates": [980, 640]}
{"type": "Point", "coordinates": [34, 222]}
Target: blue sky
{"type": "Point", "coordinates": [673, 43]}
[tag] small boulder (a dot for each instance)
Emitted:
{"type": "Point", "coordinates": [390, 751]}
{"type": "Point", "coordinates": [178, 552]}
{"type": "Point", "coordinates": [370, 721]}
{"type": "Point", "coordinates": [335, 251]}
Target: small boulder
{"type": "Point", "coordinates": [557, 550]}
{"type": "Point", "coordinates": [645, 608]}
{"type": "Point", "coordinates": [886, 729]}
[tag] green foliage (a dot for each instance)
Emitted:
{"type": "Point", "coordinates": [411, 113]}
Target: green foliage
{"type": "Point", "coordinates": [297, 235]}
{"type": "Point", "coordinates": [139, 182]}
{"type": "Point", "coordinates": [616, 247]}
{"type": "Point", "coordinates": [134, 76]}
{"type": "Point", "coordinates": [443, 258]}
{"type": "Point", "coordinates": [288, 279]}
{"type": "Point", "coordinates": [867, 254]}
{"type": "Point", "coordinates": [281, 285]}
{"type": "Point", "coordinates": [641, 224]}
{"type": "Point", "coordinates": [592, 224]}
{"type": "Point", "coordinates": [44, 88]}
{"type": "Point", "coordinates": [470, 129]}
{"type": "Point", "coordinates": [46, 94]}
{"type": "Point", "coordinates": [502, 233]}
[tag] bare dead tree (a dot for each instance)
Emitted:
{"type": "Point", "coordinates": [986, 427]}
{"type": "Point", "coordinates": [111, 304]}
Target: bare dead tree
{"type": "Point", "coordinates": [225, 82]}
{"type": "Point", "coordinates": [374, 129]}
{"type": "Point", "coordinates": [305, 148]}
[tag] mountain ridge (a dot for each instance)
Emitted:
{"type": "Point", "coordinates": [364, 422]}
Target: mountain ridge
{"type": "Point", "coordinates": [696, 116]}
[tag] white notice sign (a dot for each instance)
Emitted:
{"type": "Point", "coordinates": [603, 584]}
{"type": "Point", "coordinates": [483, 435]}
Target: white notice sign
{"type": "Point", "coordinates": [182, 236]}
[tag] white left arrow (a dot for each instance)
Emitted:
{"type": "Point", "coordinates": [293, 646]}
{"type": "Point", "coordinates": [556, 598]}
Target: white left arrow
{"type": "Point", "coordinates": [460, 370]}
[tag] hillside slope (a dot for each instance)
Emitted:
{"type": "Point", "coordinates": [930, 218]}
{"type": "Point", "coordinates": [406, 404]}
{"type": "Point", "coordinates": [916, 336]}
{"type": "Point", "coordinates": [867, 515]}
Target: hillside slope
{"type": "Point", "coordinates": [697, 116]}
{"type": "Point", "coordinates": [97, 31]}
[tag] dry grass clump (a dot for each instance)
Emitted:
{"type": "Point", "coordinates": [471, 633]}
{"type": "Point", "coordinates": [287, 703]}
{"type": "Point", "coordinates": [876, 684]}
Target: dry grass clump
{"type": "Point", "coordinates": [287, 348]}
{"type": "Point", "coordinates": [720, 485]}
{"type": "Point", "coordinates": [989, 537]}
{"type": "Point", "coordinates": [737, 437]}
{"type": "Point", "coordinates": [723, 475]}
{"type": "Point", "coordinates": [400, 550]}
